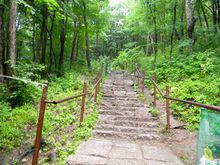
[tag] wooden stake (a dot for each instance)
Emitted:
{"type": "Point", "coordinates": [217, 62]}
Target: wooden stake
{"type": "Point", "coordinates": [40, 124]}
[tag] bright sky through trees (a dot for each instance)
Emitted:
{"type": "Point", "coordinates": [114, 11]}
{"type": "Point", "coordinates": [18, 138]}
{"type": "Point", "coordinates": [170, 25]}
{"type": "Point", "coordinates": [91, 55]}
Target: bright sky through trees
{"type": "Point", "coordinates": [114, 2]}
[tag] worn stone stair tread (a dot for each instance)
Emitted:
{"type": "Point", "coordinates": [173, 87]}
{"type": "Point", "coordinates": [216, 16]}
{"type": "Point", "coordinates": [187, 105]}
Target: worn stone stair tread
{"type": "Point", "coordinates": [116, 108]}
{"type": "Point", "coordinates": [129, 123]}
{"type": "Point", "coordinates": [125, 104]}
{"type": "Point", "coordinates": [134, 136]}
{"type": "Point", "coordinates": [142, 118]}
{"type": "Point", "coordinates": [139, 130]}
{"type": "Point", "coordinates": [123, 99]}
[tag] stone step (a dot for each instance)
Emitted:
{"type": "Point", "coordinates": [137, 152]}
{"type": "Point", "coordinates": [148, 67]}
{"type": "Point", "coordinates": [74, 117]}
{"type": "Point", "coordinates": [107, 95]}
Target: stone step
{"type": "Point", "coordinates": [123, 99]}
{"type": "Point", "coordinates": [124, 135]}
{"type": "Point", "coordinates": [128, 123]}
{"type": "Point", "coordinates": [137, 130]}
{"type": "Point", "coordinates": [123, 108]}
{"type": "Point", "coordinates": [112, 96]}
{"type": "Point", "coordinates": [123, 104]}
{"type": "Point", "coordinates": [130, 118]}
{"type": "Point", "coordinates": [128, 112]}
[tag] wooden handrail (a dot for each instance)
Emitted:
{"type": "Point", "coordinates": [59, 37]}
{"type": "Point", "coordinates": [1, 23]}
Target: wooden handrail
{"type": "Point", "coordinates": [67, 99]}
{"type": "Point", "coordinates": [44, 102]}
{"type": "Point", "coordinates": [212, 107]}
{"type": "Point", "coordinates": [76, 96]}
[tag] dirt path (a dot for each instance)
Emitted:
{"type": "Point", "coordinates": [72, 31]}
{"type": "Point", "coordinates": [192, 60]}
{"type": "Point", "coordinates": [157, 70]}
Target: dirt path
{"type": "Point", "coordinates": [126, 133]}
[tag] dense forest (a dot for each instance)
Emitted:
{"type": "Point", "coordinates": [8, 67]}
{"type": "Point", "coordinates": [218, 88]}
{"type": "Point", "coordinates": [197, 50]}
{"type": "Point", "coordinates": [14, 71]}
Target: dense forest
{"type": "Point", "coordinates": [66, 41]}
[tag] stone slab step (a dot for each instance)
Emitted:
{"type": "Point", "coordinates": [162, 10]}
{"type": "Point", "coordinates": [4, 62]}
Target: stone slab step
{"type": "Point", "coordinates": [128, 123]}
{"type": "Point", "coordinates": [130, 118]}
{"type": "Point", "coordinates": [123, 103]}
{"type": "Point", "coordinates": [123, 135]}
{"type": "Point", "coordinates": [127, 112]}
{"type": "Point", "coordinates": [137, 130]}
{"type": "Point", "coordinates": [123, 99]}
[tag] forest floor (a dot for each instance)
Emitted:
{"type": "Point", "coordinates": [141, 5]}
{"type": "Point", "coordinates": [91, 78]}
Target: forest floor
{"type": "Point", "coordinates": [127, 133]}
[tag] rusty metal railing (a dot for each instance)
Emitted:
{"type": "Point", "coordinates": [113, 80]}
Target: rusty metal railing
{"type": "Point", "coordinates": [44, 102]}
{"type": "Point", "coordinates": [168, 98]}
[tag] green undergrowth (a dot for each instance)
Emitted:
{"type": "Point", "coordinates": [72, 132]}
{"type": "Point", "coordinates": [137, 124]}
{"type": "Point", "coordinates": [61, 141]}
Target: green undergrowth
{"type": "Point", "coordinates": [81, 133]}
{"type": "Point", "coordinates": [154, 112]}
{"type": "Point", "coordinates": [18, 125]}
{"type": "Point", "coordinates": [192, 77]}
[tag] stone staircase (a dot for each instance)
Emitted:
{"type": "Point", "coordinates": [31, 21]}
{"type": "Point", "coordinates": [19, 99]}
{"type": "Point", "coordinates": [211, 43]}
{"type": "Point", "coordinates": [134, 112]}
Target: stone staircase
{"type": "Point", "coordinates": [122, 115]}
{"type": "Point", "coordinates": [126, 133]}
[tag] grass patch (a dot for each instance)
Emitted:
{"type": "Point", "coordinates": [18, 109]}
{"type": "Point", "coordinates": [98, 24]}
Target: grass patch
{"type": "Point", "coordinates": [154, 112]}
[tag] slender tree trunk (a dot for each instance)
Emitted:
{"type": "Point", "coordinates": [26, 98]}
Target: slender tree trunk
{"type": "Point", "coordinates": [11, 48]}
{"type": "Point", "coordinates": [11, 55]}
{"type": "Point", "coordinates": [44, 40]}
{"type": "Point", "coordinates": [74, 44]}
{"type": "Point", "coordinates": [214, 15]}
{"type": "Point", "coordinates": [218, 8]}
{"type": "Point", "coordinates": [51, 42]}
{"type": "Point", "coordinates": [12, 32]}
{"type": "Point", "coordinates": [43, 34]}
{"type": "Point", "coordinates": [190, 21]}
{"type": "Point", "coordinates": [33, 40]}
{"type": "Point", "coordinates": [199, 16]}
{"type": "Point", "coordinates": [204, 14]}
{"type": "Point", "coordinates": [86, 36]}
{"type": "Point", "coordinates": [172, 33]}
{"type": "Point", "coordinates": [62, 45]}
{"type": "Point", "coordinates": [1, 41]}
{"type": "Point", "coordinates": [182, 23]}
{"type": "Point", "coordinates": [163, 36]}
{"type": "Point", "coordinates": [155, 30]}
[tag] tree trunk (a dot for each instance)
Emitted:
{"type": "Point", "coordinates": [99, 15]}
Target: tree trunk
{"type": "Point", "coordinates": [62, 45]}
{"type": "Point", "coordinates": [43, 34]}
{"type": "Point", "coordinates": [86, 36]}
{"type": "Point", "coordinates": [74, 44]}
{"type": "Point", "coordinates": [1, 41]}
{"type": "Point", "coordinates": [33, 39]}
{"type": "Point", "coordinates": [204, 14]}
{"type": "Point", "coordinates": [182, 23]}
{"type": "Point", "coordinates": [214, 15]}
{"type": "Point", "coordinates": [172, 33]}
{"type": "Point", "coordinates": [190, 21]}
{"type": "Point", "coordinates": [11, 47]}
{"type": "Point", "coordinates": [218, 8]}
{"type": "Point", "coordinates": [44, 39]}
{"type": "Point", "coordinates": [51, 42]}
{"type": "Point", "coordinates": [155, 27]}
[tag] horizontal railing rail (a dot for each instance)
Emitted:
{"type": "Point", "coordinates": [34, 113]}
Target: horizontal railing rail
{"type": "Point", "coordinates": [43, 108]}
{"type": "Point", "coordinates": [212, 107]}
{"type": "Point", "coordinates": [79, 95]}
{"type": "Point", "coordinates": [168, 98]}
{"type": "Point", "coordinates": [67, 99]}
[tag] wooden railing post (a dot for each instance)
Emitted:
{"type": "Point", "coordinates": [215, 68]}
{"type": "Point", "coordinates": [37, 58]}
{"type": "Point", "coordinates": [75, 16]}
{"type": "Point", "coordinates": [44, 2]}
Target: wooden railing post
{"type": "Point", "coordinates": [155, 91]}
{"type": "Point", "coordinates": [40, 124]}
{"type": "Point", "coordinates": [83, 103]}
{"type": "Point", "coordinates": [168, 106]}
